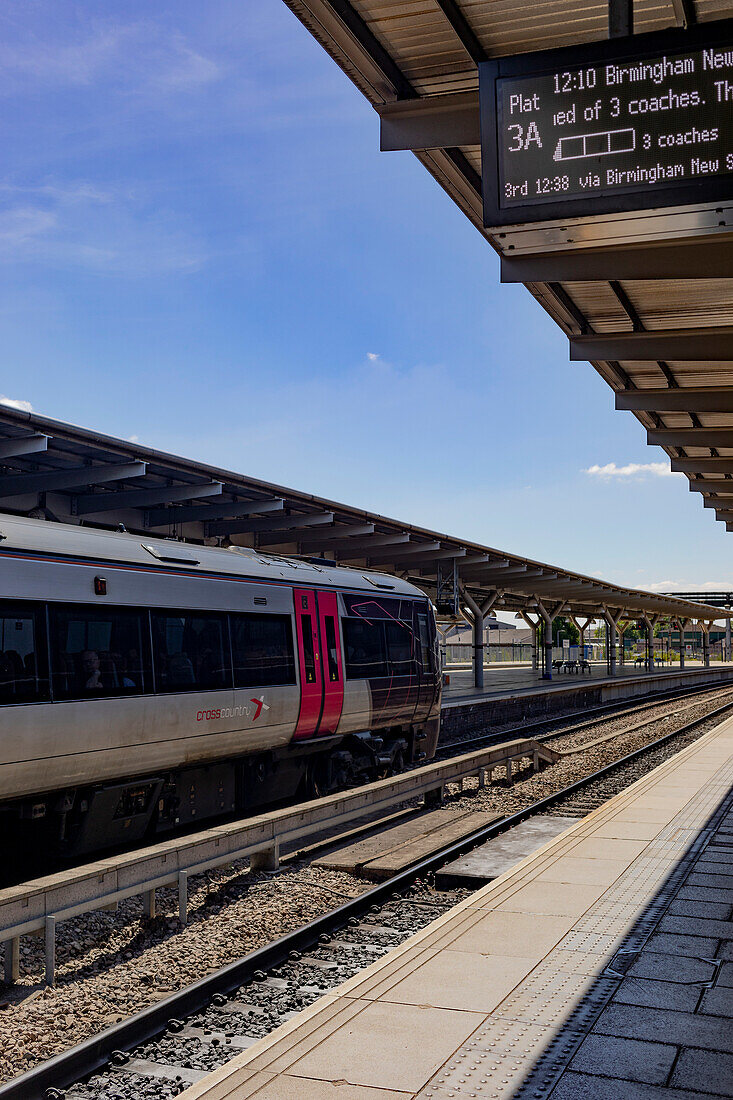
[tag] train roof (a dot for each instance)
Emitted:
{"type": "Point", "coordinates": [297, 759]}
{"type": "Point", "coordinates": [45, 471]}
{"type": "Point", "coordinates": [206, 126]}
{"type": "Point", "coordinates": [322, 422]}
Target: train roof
{"type": "Point", "coordinates": [46, 537]}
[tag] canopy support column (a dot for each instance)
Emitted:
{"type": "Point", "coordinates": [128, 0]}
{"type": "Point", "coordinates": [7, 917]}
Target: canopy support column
{"type": "Point", "coordinates": [534, 626]}
{"type": "Point", "coordinates": [681, 624]}
{"type": "Point", "coordinates": [442, 634]}
{"type": "Point", "coordinates": [650, 624]}
{"type": "Point", "coordinates": [581, 628]}
{"type": "Point", "coordinates": [620, 631]}
{"type": "Point", "coordinates": [727, 637]}
{"type": "Point", "coordinates": [611, 622]}
{"type": "Point", "coordinates": [477, 616]}
{"type": "Point", "coordinates": [548, 618]}
{"type": "Point", "coordinates": [705, 628]}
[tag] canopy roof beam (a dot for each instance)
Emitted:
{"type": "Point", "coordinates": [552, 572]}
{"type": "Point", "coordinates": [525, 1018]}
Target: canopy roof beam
{"type": "Point", "coordinates": [263, 526]}
{"type": "Point", "coordinates": [715, 465]}
{"type": "Point", "coordinates": [96, 503]}
{"type": "Point", "coordinates": [433, 122]}
{"type": "Point", "coordinates": [201, 513]}
{"type": "Point", "coordinates": [712, 344]}
{"type": "Point", "coordinates": [719, 486]}
{"type": "Point", "coordinates": [50, 480]}
{"type": "Point", "coordinates": [685, 258]}
{"type": "Point", "coordinates": [23, 445]}
{"type": "Point", "coordinates": [337, 535]}
{"type": "Point", "coordinates": [432, 555]}
{"type": "Point", "coordinates": [398, 553]}
{"type": "Point", "coordinates": [703, 399]}
{"type": "Point", "coordinates": [690, 437]}
{"type": "Point", "coordinates": [357, 549]}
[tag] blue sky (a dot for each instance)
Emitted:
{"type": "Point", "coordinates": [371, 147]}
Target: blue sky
{"type": "Point", "coordinates": [203, 248]}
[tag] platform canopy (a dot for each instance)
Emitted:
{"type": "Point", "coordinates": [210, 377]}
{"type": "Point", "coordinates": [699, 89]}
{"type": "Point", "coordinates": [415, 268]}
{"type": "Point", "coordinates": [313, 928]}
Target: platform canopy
{"type": "Point", "coordinates": [646, 296]}
{"type": "Point", "coordinates": [57, 471]}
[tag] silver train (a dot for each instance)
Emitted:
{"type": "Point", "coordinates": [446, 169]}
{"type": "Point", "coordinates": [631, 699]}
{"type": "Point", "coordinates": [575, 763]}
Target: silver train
{"type": "Point", "coordinates": [146, 684]}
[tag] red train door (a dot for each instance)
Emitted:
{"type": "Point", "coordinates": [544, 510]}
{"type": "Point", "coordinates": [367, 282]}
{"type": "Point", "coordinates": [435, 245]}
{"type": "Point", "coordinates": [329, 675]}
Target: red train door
{"type": "Point", "coordinates": [309, 660]}
{"type": "Point", "coordinates": [333, 673]}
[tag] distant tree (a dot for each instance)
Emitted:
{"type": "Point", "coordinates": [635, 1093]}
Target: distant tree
{"type": "Point", "coordinates": [567, 629]}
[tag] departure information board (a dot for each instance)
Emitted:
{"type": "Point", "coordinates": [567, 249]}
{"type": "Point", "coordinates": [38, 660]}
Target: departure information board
{"type": "Point", "coordinates": [619, 125]}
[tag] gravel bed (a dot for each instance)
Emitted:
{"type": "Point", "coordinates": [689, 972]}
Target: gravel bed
{"type": "Point", "coordinates": [572, 768]}
{"type": "Point", "coordinates": [677, 713]}
{"type": "Point", "coordinates": [123, 1086]}
{"type": "Point", "coordinates": [230, 1024]}
{"type": "Point", "coordinates": [111, 965]}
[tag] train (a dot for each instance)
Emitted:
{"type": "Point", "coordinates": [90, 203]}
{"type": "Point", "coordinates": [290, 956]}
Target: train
{"type": "Point", "coordinates": [147, 684]}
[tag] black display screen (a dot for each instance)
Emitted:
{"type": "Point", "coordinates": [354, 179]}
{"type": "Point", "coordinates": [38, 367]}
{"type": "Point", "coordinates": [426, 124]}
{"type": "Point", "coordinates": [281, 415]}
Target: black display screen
{"type": "Point", "coordinates": [620, 125]}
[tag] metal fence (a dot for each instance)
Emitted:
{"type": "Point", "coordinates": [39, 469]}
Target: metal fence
{"type": "Point", "coordinates": [495, 653]}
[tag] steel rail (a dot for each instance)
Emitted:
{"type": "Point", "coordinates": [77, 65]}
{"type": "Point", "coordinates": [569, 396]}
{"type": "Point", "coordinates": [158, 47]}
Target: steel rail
{"type": "Point", "coordinates": [48, 1080]}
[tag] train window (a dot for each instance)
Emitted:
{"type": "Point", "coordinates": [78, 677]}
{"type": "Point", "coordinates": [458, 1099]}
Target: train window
{"type": "Point", "coordinates": [97, 652]}
{"type": "Point", "coordinates": [23, 676]}
{"type": "Point", "coordinates": [331, 648]}
{"type": "Point", "coordinates": [366, 650]}
{"type": "Point", "coordinates": [399, 648]}
{"type": "Point", "coordinates": [190, 651]}
{"type": "Point", "coordinates": [263, 650]}
{"type": "Point", "coordinates": [309, 660]}
{"type": "Point", "coordinates": [372, 607]}
{"type": "Point", "coordinates": [426, 650]}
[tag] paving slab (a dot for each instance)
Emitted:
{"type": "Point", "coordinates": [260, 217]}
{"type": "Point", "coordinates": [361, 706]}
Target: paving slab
{"type": "Point", "coordinates": [631, 1059]}
{"type": "Point", "coordinates": [718, 1001]}
{"type": "Point", "coordinates": [651, 993]}
{"type": "Point", "coordinates": [489, 860]}
{"type": "Point", "coordinates": [378, 1047]}
{"type": "Point", "coordinates": [673, 944]}
{"type": "Point", "coordinates": [697, 926]}
{"type": "Point", "coordinates": [685, 969]}
{"type": "Point", "coordinates": [659, 1025]}
{"type": "Point", "coordinates": [707, 910]}
{"type": "Point", "coordinates": [704, 893]}
{"type": "Point", "coordinates": [696, 1066]}
{"type": "Point", "coordinates": [583, 1086]}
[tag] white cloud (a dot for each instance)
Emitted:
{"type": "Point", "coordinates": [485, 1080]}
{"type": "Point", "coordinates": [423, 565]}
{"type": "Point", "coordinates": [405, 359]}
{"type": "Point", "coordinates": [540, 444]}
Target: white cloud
{"type": "Point", "coordinates": [133, 439]}
{"type": "Point", "coordinates": [632, 469]}
{"type": "Point", "coordinates": [14, 403]}
{"type": "Point", "coordinates": [83, 226]}
{"type": "Point", "coordinates": [134, 55]}
{"type": "Point", "coordinates": [187, 69]}
{"type": "Point", "coordinates": [373, 356]}
{"type": "Point", "coordinates": [691, 586]}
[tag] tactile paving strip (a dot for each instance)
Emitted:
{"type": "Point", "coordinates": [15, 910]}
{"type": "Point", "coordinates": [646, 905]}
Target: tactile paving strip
{"type": "Point", "coordinates": [524, 1046]}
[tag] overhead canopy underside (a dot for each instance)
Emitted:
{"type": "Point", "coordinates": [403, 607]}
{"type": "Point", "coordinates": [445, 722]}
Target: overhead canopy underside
{"type": "Point", "coordinates": [646, 297]}
{"type": "Point", "coordinates": [50, 470]}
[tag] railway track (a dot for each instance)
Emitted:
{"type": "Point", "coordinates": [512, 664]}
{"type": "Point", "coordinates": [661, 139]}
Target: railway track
{"type": "Point", "coordinates": [160, 1051]}
{"type": "Point", "coordinates": [544, 728]}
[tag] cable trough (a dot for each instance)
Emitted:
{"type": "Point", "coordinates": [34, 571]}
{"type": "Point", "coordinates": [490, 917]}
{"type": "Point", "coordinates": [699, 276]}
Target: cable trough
{"type": "Point", "coordinates": [160, 1051]}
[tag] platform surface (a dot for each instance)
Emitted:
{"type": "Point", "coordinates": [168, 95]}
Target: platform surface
{"type": "Point", "coordinates": [599, 967]}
